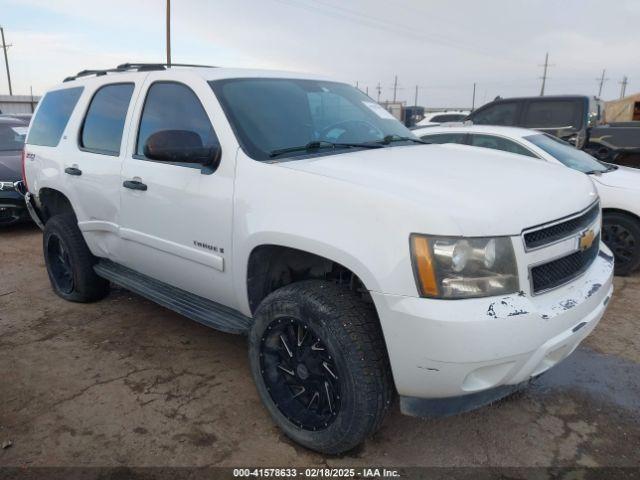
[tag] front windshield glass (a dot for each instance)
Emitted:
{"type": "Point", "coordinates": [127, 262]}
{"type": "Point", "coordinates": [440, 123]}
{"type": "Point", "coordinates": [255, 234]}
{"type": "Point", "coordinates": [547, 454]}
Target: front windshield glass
{"type": "Point", "coordinates": [272, 114]}
{"type": "Point", "coordinates": [567, 154]}
{"type": "Point", "coordinates": [12, 137]}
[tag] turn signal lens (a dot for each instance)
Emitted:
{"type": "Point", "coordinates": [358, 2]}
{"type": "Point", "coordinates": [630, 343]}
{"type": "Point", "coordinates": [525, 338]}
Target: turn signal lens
{"type": "Point", "coordinates": [423, 266]}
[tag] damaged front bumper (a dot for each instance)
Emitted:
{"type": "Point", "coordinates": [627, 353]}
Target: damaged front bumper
{"type": "Point", "coordinates": [485, 348]}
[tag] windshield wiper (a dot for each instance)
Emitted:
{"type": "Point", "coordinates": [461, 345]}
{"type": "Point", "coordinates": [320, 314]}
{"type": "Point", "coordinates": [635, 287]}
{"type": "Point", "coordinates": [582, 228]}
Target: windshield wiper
{"type": "Point", "coordinates": [318, 144]}
{"type": "Point", "coordinates": [398, 138]}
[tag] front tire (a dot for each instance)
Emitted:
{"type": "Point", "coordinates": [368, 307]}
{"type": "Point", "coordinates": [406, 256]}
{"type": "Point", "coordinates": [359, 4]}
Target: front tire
{"type": "Point", "coordinates": [70, 263]}
{"type": "Point", "coordinates": [621, 233]}
{"type": "Point", "coordinates": [320, 365]}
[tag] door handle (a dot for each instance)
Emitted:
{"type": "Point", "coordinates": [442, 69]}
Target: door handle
{"type": "Point", "coordinates": [134, 185]}
{"type": "Point", "coordinates": [73, 171]}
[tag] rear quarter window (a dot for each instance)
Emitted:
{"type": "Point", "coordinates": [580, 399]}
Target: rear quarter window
{"type": "Point", "coordinates": [52, 116]}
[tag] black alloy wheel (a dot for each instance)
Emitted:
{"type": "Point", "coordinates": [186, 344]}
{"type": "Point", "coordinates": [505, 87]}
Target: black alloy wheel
{"type": "Point", "coordinates": [300, 374]}
{"type": "Point", "coordinates": [621, 233]}
{"type": "Point", "coordinates": [60, 264]}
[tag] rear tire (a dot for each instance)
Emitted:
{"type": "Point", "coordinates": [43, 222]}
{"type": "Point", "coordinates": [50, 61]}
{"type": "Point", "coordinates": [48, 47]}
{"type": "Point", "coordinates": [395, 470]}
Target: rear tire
{"type": "Point", "coordinates": [621, 233]}
{"type": "Point", "coordinates": [320, 365]}
{"type": "Point", "coordinates": [70, 263]}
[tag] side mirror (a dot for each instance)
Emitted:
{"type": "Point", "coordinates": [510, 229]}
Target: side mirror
{"type": "Point", "coordinates": [181, 146]}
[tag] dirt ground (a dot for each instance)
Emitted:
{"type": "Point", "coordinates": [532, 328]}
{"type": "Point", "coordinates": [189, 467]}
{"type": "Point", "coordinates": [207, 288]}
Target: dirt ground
{"type": "Point", "coordinates": [124, 382]}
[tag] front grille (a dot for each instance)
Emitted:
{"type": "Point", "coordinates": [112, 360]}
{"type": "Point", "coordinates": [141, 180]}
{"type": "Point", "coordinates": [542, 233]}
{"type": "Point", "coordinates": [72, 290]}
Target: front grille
{"type": "Point", "coordinates": [563, 270]}
{"type": "Point", "coordinates": [546, 235]}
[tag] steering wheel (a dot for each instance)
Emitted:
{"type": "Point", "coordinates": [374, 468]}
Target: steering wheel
{"type": "Point", "coordinates": [351, 131]}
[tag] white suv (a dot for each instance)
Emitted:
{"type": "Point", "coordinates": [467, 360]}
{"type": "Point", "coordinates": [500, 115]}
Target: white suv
{"type": "Point", "coordinates": [296, 210]}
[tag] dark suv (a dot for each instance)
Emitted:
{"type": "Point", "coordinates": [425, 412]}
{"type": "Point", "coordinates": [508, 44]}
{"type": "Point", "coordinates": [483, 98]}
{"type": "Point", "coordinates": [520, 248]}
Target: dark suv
{"type": "Point", "coordinates": [12, 206]}
{"type": "Point", "coordinates": [577, 119]}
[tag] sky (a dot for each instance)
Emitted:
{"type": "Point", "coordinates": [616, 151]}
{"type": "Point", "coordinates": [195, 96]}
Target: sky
{"type": "Point", "coordinates": [442, 47]}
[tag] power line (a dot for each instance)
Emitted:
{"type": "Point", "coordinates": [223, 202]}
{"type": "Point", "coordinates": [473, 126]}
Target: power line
{"type": "Point", "coordinates": [601, 80]}
{"type": "Point", "coordinates": [544, 74]}
{"type": "Point", "coordinates": [358, 16]}
{"type": "Point", "coordinates": [5, 47]}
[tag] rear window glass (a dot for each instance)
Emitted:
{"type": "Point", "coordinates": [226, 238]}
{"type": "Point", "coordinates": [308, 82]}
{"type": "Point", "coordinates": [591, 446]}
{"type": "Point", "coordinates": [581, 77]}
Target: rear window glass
{"type": "Point", "coordinates": [12, 137]}
{"type": "Point", "coordinates": [52, 117]}
{"type": "Point", "coordinates": [103, 125]}
{"type": "Point", "coordinates": [449, 117]}
{"type": "Point", "coordinates": [551, 114]}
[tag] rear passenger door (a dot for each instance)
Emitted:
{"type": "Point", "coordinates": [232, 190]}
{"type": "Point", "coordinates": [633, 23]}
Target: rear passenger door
{"type": "Point", "coordinates": [178, 229]}
{"type": "Point", "coordinates": [95, 167]}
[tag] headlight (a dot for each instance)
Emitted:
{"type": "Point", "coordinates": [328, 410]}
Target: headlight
{"type": "Point", "coordinates": [457, 267]}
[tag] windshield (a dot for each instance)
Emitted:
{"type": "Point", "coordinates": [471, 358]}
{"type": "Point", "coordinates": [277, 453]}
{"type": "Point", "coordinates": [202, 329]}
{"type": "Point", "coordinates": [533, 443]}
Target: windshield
{"type": "Point", "coordinates": [567, 154]}
{"type": "Point", "coordinates": [297, 117]}
{"type": "Point", "coordinates": [12, 137]}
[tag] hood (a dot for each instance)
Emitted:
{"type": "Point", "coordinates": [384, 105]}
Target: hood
{"type": "Point", "coordinates": [622, 177]}
{"type": "Point", "coordinates": [484, 192]}
{"type": "Point", "coordinates": [10, 166]}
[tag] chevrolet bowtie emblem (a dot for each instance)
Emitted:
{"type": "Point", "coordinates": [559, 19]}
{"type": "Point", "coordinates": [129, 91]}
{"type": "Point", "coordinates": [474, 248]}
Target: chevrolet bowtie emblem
{"type": "Point", "coordinates": [586, 239]}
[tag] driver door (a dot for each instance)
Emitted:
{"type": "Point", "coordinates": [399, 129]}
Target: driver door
{"type": "Point", "coordinates": [177, 217]}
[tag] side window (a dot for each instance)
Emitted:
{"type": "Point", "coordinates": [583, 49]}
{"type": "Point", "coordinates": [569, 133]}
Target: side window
{"type": "Point", "coordinates": [498, 143]}
{"type": "Point", "coordinates": [551, 114]}
{"type": "Point", "coordinates": [445, 138]}
{"type": "Point", "coordinates": [52, 117]}
{"type": "Point", "coordinates": [173, 106]}
{"type": "Point", "coordinates": [503, 113]}
{"type": "Point", "coordinates": [104, 122]}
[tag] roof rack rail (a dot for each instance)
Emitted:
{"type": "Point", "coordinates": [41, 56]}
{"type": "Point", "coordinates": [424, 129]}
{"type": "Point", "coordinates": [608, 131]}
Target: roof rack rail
{"type": "Point", "coordinates": [138, 67]}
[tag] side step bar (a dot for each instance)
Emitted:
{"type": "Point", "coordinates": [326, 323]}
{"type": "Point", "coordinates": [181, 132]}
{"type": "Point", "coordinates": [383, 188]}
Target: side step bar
{"type": "Point", "coordinates": [192, 306]}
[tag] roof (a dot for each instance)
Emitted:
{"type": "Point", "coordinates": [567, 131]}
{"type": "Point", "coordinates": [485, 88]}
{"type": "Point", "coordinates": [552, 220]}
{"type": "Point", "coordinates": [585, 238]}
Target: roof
{"type": "Point", "coordinates": [128, 71]}
{"type": "Point", "coordinates": [513, 132]}
{"type": "Point", "coordinates": [12, 121]}
{"type": "Point", "coordinates": [537, 97]}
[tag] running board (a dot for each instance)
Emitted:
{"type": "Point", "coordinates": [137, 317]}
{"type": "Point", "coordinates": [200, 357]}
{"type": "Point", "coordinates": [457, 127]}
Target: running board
{"type": "Point", "coordinates": [192, 306]}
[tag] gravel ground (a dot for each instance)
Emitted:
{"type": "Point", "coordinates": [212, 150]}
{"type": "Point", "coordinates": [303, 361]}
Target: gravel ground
{"type": "Point", "coordinates": [124, 382]}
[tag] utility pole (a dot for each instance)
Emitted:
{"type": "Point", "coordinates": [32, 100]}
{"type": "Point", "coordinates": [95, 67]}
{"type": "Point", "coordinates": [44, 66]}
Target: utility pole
{"type": "Point", "coordinates": [357, 85]}
{"type": "Point", "coordinates": [601, 80]}
{"type": "Point", "coordinates": [395, 88]}
{"type": "Point", "coordinates": [473, 99]}
{"type": "Point", "coordinates": [379, 89]}
{"type": "Point", "coordinates": [544, 74]}
{"type": "Point", "coordinates": [415, 100]}
{"type": "Point", "coordinates": [366, 90]}
{"type": "Point", "coordinates": [623, 90]}
{"type": "Point", "coordinates": [6, 59]}
{"type": "Point", "coordinates": [168, 33]}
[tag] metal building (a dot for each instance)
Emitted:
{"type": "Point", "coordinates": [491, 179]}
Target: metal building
{"type": "Point", "coordinates": [18, 103]}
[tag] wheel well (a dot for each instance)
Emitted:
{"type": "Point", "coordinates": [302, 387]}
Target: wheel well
{"type": "Point", "coordinates": [272, 266]}
{"type": "Point", "coordinates": [621, 212]}
{"type": "Point", "coordinates": [53, 202]}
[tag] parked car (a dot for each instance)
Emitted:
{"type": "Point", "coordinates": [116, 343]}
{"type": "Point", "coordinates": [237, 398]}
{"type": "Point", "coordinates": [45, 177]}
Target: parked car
{"type": "Point", "coordinates": [618, 187]}
{"type": "Point", "coordinates": [295, 210]}
{"type": "Point", "coordinates": [12, 206]}
{"type": "Point", "coordinates": [25, 117]}
{"type": "Point", "coordinates": [577, 119]}
{"type": "Point", "coordinates": [436, 118]}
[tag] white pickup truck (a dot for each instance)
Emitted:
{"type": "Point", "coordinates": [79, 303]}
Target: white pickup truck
{"type": "Point", "coordinates": [296, 210]}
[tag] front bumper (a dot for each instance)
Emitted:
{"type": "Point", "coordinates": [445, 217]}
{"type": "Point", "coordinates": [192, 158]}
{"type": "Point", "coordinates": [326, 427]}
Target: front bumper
{"type": "Point", "coordinates": [449, 348]}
